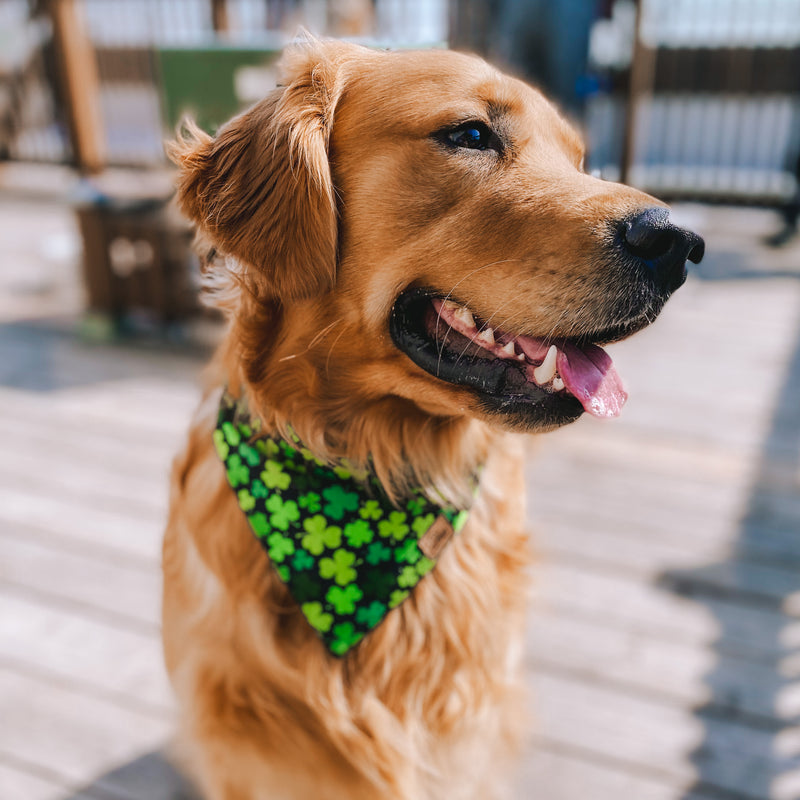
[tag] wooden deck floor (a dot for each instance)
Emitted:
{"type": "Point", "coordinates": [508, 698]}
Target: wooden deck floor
{"type": "Point", "coordinates": [664, 653]}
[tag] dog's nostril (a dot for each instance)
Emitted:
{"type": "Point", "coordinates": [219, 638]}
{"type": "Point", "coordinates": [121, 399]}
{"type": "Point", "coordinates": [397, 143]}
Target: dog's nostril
{"type": "Point", "coordinates": [663, 247]}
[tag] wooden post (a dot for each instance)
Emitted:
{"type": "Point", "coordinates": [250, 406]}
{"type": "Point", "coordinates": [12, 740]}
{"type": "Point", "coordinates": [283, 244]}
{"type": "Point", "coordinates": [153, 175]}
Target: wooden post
{"type": "Point", "coordinates": [643, 64]}
{"type": "Point", "coordinates": [80, 84]}
{"type": "Point", "coordinates": [219, 15]}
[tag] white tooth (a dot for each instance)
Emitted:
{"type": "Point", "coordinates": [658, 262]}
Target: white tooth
{"type": "Point", "coordinates": [450, 305]}
{"type": "Point", "coordinates": [464, 315]}
{"type": "Point", "coordinates": [486, 336]}
{"type": "Point", "coordinates": [508, 349]}
{"type": "Point", "coordinates": [558, 384]}
{"type": "Point", "coordinates": [546, 371]}
{"type": "Point", "coordinates": [521, 357]}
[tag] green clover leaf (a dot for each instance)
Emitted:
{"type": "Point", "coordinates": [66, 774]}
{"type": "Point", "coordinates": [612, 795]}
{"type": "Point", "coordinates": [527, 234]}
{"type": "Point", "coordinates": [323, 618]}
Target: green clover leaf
{"type": "Point", "coordinates": [320, 535]}
{"type": "Point", "coordinates": [394, 526]}
{"type": "Point", "coordinates": [397, 597]}
{"type": "Point", "coordinates": [358, 533]}
{"type": "Point", "coordinates": [284, 512]}
{"type": "Point", "coordinates": [231, 433]}
{"type": "Point", "coordinates": [267, 447]}
{"type": "Point", "coordinates": [258, 489]}
{"type": "Point", "coordinates": [460, 520]}
{"type": "Point", "coordinates": [344, 600]}
{"type": "Point", "coordinates": [246, 501]}
{"type": "Point", "coordinates": [377, 552]}
{"type": "Point", "coordinates": [220, 445]}
{"type": "Point", "coordinates": [408, 577]}
{"type": "Point", "coordinates": [346, 636]}
{"type": "Point", "coordinates": [338, 501]}
{"type": "Point", "coordinates": [280, 546]}
{"type": "Point", "coordinates": [415, 505]}
{"type": "Point", "coordinates": [339, 567]}
{"type": "Point", "coordinates": [372, 614]}
{"type": "Point", "coordinates": [310, 501]}
{"type": "Point", "coordinates": [371, 510]}
{"type": "Point", "coordinates": [238, 473]}
{"type": "Point", "coordinates": [274, 477]}
{"type": "Point", "coordinates": [249, 454]}
{"type": "Point", "coordinates": [408, 552]}
{"type": "Point", "coordinates": [424, 566]}
{"type": "Point", "coordinates": [421, 524]}
{"type": "Point", "coordinates": [319, 619]}
{"type": "Point", "coordinates": [259, 524]}
{"type": "Point", "coordinates": [342, 473]}
{"type": "Point", "coordinates": [283, 571]}
{"type": "Point", "coordinates": [302, 560]}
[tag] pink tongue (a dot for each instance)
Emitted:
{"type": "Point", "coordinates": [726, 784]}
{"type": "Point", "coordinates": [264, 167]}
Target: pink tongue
{"type": "Point", "coordinates": [589, 374]}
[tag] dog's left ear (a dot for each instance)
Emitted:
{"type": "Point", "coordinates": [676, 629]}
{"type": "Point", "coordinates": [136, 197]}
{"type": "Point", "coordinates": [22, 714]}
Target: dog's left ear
{"type": "Point", "coordinates": [262, 189]}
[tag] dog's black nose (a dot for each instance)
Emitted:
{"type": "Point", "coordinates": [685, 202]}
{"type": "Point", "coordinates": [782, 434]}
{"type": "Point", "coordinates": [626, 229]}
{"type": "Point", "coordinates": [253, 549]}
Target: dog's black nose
{"type": "Point", "coordinates": [661, 247]}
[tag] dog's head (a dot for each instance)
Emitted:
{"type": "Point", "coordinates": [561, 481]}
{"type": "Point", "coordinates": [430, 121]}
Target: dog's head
{"type": "Point", "coordinates": [414, 236]}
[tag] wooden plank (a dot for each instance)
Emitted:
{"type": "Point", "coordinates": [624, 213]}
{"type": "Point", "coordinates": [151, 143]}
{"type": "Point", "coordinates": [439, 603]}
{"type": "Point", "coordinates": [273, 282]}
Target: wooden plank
{"type": "Point", "coordinates": [554, 774]}
{"type": "Point", "coordinates": [75, 736]}
{"type": "Point", "coordinates": [70, 519]}
{"type": "Point", "coordinates": [125, 592]}
{"type": "Point", "coordinates": [652, 559]}
{"type": "Point", "coordinates": [29, 782]}
{"type": "Point", "coordinates": [80, 83]}
{"type": "Point", "coordinates": [614, 601]}
{"type": "Point", "coordinates": [91, 656]}
{"type": "Point", "coordinates": [626, 730]}
{"type": "Point", "coordinates": [682, 674]}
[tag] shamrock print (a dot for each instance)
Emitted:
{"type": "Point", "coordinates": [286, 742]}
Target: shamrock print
{"type": "Point", "coordinates": [280, 546]}
{"type": "Point", "coordinates": [424, 566]}
{"type": "Point", "coordinates": [408, 552]}
{"type": "Point", "coordinates": [408, 577]}
{"type": "Point", "coordinates": [421, 524]}
{"type": "Point", "coordinates": [370, 510]}
{"type": "Point", "coordinates": [339, 567]}
{"type": "Point", "coordinates": [267, 447]}
{"type": "Point", "coordinates": [347, 558]}
{"type": "Point", "coordinates": [274, 477]}
{"type": "Point", "coordinates": [372, 614]}
{"type": "Point", "coordinates": [284, 512]}
{"type": "Point", "coordinates": [302, 560]}
{"type": "Point", "coordinates": [249, 454]}
{"type": "Point", "coordinates": [320, 535]}
{"type": "Point", "coordinates": [378, 553]}
{"type": "Point", "coordinates": [231, 433]}
{"type": "Point", "coordinates": [460, 520]}
{"type": "Point", "coordinates": [358, 533]}
{"type": "Point", "coordinates": [238, 473]}
{"type": "Point", "coordinates": [338, 500]}
{"type": "Point", "coordinates": [259, 524]}
{"type": "Point", "coordinates": [257, 489]}
{"type": "Point", "coordinates": [344, 600]}
{"type": "Point", "coordinates": [220, 445]}
{"type": "Point", "coordinates": [310, 501]}
{"type": "Point", "coordinates": [397, 597]}
{"type": "Point", "coordinates": [415, 505]}
{"type": "Point", "coordinates": [318, 618]}
{"type": "Point", "coordinates": [394, 526]}
{"type": "Point", "coordinates": [345, 637]}
{"type": "Point", "coordinates": [246, 501]}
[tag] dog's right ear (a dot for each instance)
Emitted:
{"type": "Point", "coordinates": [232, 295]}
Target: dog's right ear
{"type": "Point", "coordinates": [262, 189]}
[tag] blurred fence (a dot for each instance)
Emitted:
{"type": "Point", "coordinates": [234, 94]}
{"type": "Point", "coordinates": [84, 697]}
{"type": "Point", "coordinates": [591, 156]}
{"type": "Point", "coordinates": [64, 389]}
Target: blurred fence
{"type": "Point", "coordinates": [686, 99]}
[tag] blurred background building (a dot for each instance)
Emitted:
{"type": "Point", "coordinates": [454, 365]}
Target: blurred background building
{"type": "Point", "coordinates": [664, 653]}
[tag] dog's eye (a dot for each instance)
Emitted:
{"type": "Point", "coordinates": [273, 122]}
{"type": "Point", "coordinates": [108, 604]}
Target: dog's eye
{"type": "Point", "coordinates": [472, 136]}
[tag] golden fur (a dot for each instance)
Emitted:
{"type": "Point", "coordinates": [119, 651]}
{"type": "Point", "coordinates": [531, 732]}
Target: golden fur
{"type": "Point", "coordinates": [323, 202]}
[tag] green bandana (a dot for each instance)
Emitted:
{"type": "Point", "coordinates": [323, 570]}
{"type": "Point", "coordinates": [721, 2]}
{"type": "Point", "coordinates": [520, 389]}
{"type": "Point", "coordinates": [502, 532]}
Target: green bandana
{"type": "Point", "coordinates": [346, 552]}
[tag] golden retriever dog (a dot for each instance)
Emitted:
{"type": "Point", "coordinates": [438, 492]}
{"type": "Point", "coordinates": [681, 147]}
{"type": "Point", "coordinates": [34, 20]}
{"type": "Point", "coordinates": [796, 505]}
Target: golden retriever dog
{"type": "Point", "coordinates": [415, 269]}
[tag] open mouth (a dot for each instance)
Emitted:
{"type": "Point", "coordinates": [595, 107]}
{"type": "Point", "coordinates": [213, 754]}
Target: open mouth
{"type": "Point", "coordinates": [545, 382]}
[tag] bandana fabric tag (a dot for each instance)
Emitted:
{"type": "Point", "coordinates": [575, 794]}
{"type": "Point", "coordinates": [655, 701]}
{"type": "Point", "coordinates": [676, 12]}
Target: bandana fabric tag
{"type": "Point", "coordinates": [346, 552]}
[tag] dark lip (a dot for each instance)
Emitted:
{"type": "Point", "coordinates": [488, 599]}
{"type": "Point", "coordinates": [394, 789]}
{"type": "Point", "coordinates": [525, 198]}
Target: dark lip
{"type": "Point", "coordinates": [500, 386]}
